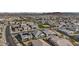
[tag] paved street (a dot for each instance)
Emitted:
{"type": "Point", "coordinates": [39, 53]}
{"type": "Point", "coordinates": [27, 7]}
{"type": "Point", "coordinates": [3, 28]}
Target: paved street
{"type": "Point", "coordinates": [9, 39]}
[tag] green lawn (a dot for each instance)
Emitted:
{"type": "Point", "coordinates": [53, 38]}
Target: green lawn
{"type": "Point", "coordinates": [43, 26]}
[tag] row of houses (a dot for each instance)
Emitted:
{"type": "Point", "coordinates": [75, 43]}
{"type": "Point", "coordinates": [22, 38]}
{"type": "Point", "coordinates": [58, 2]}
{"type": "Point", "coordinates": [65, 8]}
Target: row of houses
{"type": "Point", "coordinates": [24, 27]}
{"type": "Point", "coordinates": [36, 34]}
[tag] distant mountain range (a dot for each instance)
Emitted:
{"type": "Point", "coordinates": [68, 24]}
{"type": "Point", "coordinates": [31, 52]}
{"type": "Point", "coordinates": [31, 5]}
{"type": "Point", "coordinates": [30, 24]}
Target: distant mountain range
{"type": "Point", "coordinates": [50, 13]}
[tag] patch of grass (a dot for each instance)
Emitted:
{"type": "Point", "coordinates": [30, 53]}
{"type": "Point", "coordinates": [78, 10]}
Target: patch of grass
{"type": "Point", "coordinates": [43, 26]}
{"type": "Point", "coordinates": [76, 32]}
